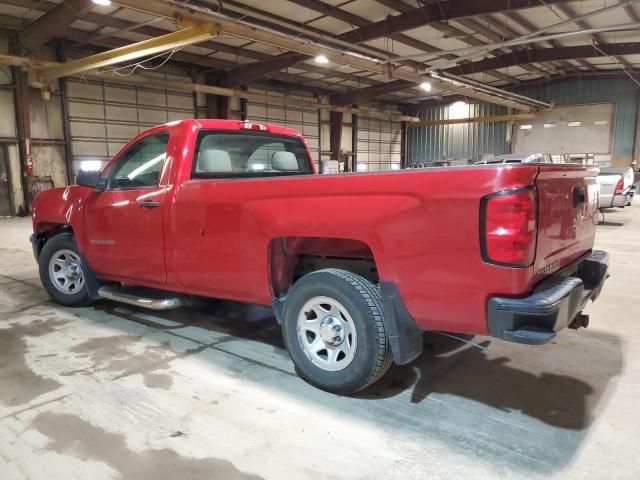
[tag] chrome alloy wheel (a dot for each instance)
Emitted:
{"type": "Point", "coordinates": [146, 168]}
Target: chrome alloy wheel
{"type": "Point", "coordinates": [65, 272]}
{"type": "Point", "coordinates": [327, 333]}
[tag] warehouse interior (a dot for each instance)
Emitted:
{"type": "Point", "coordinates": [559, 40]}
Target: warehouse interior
{"type": "Point", "coordinates": [113, 391]}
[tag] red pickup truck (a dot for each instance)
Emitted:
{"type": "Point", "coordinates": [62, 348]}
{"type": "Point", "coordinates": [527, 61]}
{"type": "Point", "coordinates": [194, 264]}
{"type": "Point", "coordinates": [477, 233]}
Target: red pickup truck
{"type": "Point", "coordinates": [355, 266]}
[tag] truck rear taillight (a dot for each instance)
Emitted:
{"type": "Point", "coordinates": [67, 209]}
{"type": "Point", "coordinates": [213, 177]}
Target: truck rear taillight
{"type": "Point", "coordinates": [508, 226]}
{"type": "Point", "coordinates": [619, 186]}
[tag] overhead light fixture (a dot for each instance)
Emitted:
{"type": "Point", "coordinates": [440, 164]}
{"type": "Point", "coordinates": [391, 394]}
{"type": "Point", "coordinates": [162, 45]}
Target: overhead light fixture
{"type": "Point", "coordinates": [321, 59]}
{"type": "Point", "coordinates": [426, 86]}
{"type": "Point", "coordinates": [104, 3]}
{"type": "Point", "coordinates": [459, 109]}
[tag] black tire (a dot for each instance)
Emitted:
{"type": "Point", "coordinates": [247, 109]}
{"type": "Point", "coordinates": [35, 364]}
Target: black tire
{"type": "Point", "coordinates": [57, 243]}
{"type": "Point", "coordinates": [362, 300]}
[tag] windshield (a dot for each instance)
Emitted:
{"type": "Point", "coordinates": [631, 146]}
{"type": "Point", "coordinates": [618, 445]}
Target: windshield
{"type": "Point", "coordinates": [249, 154]}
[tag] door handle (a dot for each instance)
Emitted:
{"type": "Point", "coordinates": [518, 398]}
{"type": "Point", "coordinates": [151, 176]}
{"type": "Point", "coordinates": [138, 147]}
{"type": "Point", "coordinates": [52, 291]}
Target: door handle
{"type": "Point", "coordinates": [148, 204]}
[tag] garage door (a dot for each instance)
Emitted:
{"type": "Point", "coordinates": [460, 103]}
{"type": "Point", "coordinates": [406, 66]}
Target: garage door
{"type": "Point", "coordinates": [566, 132]}
{"type": "Point", "coordinates": [379, 144]}
{"type": "Point", "coordinates": [104, 116]}
{"type": "Point", "coordinates": [304, 120]}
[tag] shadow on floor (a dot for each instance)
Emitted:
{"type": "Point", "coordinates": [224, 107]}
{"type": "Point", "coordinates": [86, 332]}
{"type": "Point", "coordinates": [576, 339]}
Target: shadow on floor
{"type": "Point", "coordinates": [526, 407]}
{"type": "Point", "coordinates": [556, 396]}
{"type": "Point", "coordinates": [606, 215]}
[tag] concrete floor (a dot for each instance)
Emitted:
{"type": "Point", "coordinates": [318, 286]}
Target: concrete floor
{"type": "Point", "coordinates": [209, 393]}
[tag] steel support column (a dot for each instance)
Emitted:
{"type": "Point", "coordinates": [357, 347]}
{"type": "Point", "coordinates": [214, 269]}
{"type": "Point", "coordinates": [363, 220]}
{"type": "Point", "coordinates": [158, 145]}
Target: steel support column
{"type": "Point", "coordinates": [66, 130]}
{"type": "Point", "coordinates": [636, 143]}
{"type": "Point", "coordinates": [218, 106]}
{"type": "Point", "coordinates": [23, 123]}
{"type": "Point", "coordinates": [335, 134]}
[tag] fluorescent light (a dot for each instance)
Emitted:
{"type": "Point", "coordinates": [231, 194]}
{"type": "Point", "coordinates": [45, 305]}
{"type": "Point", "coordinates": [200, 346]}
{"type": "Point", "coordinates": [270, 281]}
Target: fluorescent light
{"type": "Point", "coordinates": [362, 167]}
{"type": "Point", "coordinates": [90, 165]}
{"type": "Point", "coordinates": [459, 109]}
{"type": "Point", "coordinates": [426, 86]}
{"type": "Point", "coordinates": [104, 3]}
{"type": "Point", "coordinates": [321, 59]}
{"type": "Point", "coordinates": [395, 166]}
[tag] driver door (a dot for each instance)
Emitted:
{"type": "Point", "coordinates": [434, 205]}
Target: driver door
{"type": "Point", "coordinates": [124, 223]}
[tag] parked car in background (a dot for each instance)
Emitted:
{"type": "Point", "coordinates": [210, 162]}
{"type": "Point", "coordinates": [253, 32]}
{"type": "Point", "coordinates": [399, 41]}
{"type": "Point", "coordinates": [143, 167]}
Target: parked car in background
{"type": "Point", "coordinates": [516, 158]}
{"type": "Point", "coordinates": [616, 187]}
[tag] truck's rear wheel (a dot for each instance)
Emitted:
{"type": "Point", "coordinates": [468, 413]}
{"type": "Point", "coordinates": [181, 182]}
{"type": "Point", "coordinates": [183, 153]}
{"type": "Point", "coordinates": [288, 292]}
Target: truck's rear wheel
{"type": "Point", "coordinates": [61, 271]}
{"type": "Point", "coordinates": [334, 331]}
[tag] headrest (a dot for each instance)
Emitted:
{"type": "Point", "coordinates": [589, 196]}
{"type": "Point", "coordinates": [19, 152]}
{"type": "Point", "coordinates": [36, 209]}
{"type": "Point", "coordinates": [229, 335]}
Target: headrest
{"type": "Point", "coordinates": [213, 161]}
{"type": "Point", "coordinates": [284, 161]}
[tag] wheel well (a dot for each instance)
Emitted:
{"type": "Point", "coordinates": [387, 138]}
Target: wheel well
{"type": "Point", "coordinates": [48, 230]}
{"type": "Point", "coordinates": [293, 257]}
{"type": "Point", "coordinates": [45, 231]}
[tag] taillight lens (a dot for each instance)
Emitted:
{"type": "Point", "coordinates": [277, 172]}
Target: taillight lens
{"type": "Point", "coordinates": [508, 226]}
{"type": "Point", "coordinates": [619, 186]}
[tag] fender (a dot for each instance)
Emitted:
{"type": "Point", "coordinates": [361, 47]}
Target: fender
{"type": "Point", "coordinates": [62, 209]}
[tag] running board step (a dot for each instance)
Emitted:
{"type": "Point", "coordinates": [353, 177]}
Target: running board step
{"type": "Point", "coordinates": [142, 297]}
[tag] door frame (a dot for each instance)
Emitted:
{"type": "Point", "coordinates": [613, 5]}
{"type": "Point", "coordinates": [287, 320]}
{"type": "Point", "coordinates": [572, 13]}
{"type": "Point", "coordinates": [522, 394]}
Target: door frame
{"type": "Point", "coordinates": [5, 157]}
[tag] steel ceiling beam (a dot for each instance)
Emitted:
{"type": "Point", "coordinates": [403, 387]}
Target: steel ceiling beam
{"type": "Point", "coordinates": [251, 32]}
{"type": "Point", "coordinates": [152, 31]}
{"type": "Point", "coordinates": [209, 89]}
{"type": "Point", "coordinates": [212, 63]}
{"type": "Point", "coordinates": [530, 27]}
{"type": "Point", "coordinates": [544, 55]}
{"type": "Point", "coordinates": [358, 21]}
{"type": "Point", "coordinates": [253, 71]}
{"type": "Point", "coordinates": [486, 119]}
{"type": "Point", "coordinates": [507, 33]}
{"type": "Point", "coordinates": [133, 51]}
{"type": "Point", "coordinates": [434, 12]}
{"type": "Point", "coordinates": [570, 13]}
{"type": "Point", "coordinates": [417, 17]}
{"type": "Point", "coordinates": [48, 25]}
{"type": "Point", "coordinates": [363, 94]}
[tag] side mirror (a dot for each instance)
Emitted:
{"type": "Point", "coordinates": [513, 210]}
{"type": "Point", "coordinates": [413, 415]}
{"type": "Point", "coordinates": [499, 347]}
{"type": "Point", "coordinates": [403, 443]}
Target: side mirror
{"type": "Point", "coordinates": [91, 178]}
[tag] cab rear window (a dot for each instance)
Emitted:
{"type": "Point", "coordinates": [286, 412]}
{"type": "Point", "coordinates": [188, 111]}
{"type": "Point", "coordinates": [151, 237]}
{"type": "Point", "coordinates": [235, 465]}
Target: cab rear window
{"type": "Point", "coordinates": [248, 154]}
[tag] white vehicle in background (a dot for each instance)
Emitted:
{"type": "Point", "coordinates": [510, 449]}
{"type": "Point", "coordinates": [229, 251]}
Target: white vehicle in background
{"type": "Point", "coordinates": [516, 158]}
{"type": "Point", "coordinates": [616, 187]}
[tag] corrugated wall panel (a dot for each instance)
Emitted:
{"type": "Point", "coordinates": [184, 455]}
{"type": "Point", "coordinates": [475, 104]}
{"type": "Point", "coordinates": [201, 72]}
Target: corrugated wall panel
{"type": "Point", "coordinates": [458, 143]}
{"type": "Point", "coordinates": [378, 144]}
{"type": "Point", "coordinates": [300, 118]}
{"type": "Point", "coordinates": [624, 93]}
{"type": "Point", "coordinates": [103, 115]}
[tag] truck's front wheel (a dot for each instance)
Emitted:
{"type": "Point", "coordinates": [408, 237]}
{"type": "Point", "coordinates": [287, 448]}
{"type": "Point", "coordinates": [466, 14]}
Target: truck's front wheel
{"type": "Point", "coordinates": [61, 271]}
{"type": "Point", "coordinates": [333, 328]}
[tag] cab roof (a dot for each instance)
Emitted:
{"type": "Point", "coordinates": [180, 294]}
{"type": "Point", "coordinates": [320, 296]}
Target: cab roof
{"type": "Point", "coordinates": [238, 125]}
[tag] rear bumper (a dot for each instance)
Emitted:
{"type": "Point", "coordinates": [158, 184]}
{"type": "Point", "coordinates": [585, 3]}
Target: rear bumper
{"type": "Point", "coordinates": [554, 304]}
{"type": "Point", "coordinates": [619, 200]}
{"type": "Point", "coordinates": [625, 198]}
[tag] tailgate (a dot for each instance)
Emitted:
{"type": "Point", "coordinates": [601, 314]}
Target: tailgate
{"type": "Point", "coordinates": [567, 215]}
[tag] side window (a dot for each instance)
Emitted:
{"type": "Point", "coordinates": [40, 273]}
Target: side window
{"type": "Point", "coordinates": [140, 166]}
